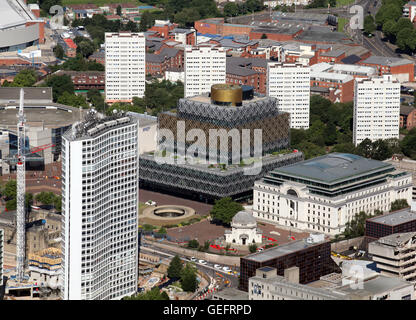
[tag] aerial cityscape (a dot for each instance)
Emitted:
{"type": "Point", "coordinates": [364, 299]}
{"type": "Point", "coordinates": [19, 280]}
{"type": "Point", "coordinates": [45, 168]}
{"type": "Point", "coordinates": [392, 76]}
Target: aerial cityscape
{"type": "Point", "coordinates": [220, 150]}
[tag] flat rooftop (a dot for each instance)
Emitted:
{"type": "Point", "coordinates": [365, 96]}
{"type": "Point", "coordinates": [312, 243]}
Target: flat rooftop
{"type": "Point", "coordinates": [51, 115]}
{"type": "Point", "coordinates": [332, 168]}
{"type": "Point", "coordinates": [12, 94]}
{"type": "Point", "coordinates": [204, 98]}
{"type": "Point", "coordinates": [232, 294]}
{"type": "Point", "coordinates": [396, 239]}
{"type": "Point", "coordinates": [13, 14]}
{"type": "Point", "coordinates": [395, 218]}
{"type": "Point", "coordinates": [378, 285]}
{"type": "Point", "coordinates": [280, 251]}
{"type": "Point", "coordinates": [387, 61]}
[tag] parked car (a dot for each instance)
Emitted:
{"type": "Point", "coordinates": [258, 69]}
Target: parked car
{"type": "Point", "coordinates": [226, 269]}
{"type": "Point", "coordinates": [217, 266]}
{"type": "Point", "coordinates": [150, 203]}
{"type": "Point", "coordinates": [202, 262]}
{"type": "Point", "coordinates": [193, 259]}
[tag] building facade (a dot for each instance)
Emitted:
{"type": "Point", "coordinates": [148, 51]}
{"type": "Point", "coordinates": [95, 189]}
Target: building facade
{"type": "Point", "coordinates": [125, 66]}
{"type": "Point", "coordinates": [395, 255]}
{"type": "Point", "coordinates": [290, 84]}
{"type": "Point", "coordinates": [312, 256]}
{"type": "Point", "coordinates": [204, 67]}
{"type": "Point", "coordinates": [376, 109]}
{"type": "Point", "coordinates": [324, 193]}
{"type": "Point", "coordinates": [99, 209]}
{"type": "Point", "coordinates": [1, 255]}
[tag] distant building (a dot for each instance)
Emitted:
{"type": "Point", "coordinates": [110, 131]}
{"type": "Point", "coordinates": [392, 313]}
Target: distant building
{"type": "Point", "coordinates": [403, 70]}
{"type": "Point", "coordinates": [85, 80]}
{"type": "Point", "coordinates": [312, 256]}
{"type": "Point", "coordinates": [269, 285]}
{"type": "Point", "coordinates": [45, 267]}
{"type": "Point", "coordinates": [204, 67]}
{"type": "Point", "coordinates": [390, 223]}
{"type": "Point", "coordinates": [409, 11]}
{"type": "Point", "coordinates": [395, 255]}
{"type": "Point", "coordinates": [407, 117]}
{"type": "Point", "coordinates": [376, 109]}
{"type": "Point", "coordinates": [290, 84]}
{"type": "Point", "coordinates": [243, 230]}
{"type": "Point", "coordinates": [125, 66]}
{"type": "Point", "coordinates": [324, 193]}
{"type": "Point", "coordinates": [20, 27]}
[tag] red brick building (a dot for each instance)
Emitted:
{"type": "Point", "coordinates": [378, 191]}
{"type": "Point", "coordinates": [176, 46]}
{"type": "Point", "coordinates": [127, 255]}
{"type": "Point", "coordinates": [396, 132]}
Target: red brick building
{"type": "Point", "coordinates": [157, 64]}
{"type": "Point", "coordinates": [85, 80]}
{"type": "Point", "coordinates": [402, 69]}
{"type": "Point", "coordinates": [407, 117]}
{"type": "Point", "coordinates": [247, 71]}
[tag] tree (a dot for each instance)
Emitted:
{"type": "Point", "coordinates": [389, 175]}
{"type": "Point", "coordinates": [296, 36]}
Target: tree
{"type": "Point", "coordinates": [398, 204]}
{"type": "Point", "coordinates": [45, 5]}
{"type": "Point", "coordinates": [365, 148]}
{"type": "Point", "coordinates": [119, 10]}
{"type": "Point", "coordinates": [145, 21]}
{"type": "Point", "coordinates": [10, 189]}
{"type": "Point", "coordinates": [85, 48]}
{"type": "Point", "coordinates": [252, 248]}
{"type": "Point", "coordinates": [175, 268]}
{"type": "Point", "coordinates": [60, 84]}
{"type": "Point", "coordinates": [389, 30]}
{"type": "Point", "coordinates": [369, 25]}
{"type": "Point", "coordinates": [264, 36]}
{"type": "Point", "coordinates": [25, 78]}
{"type": "Point", "coordinates": [193, 244]}
{"type": "Point", "coordinates": [225, 209]}
{"type": "Point", "coordinates": [408, 144]}
{"type": "Point", "coordinates": [72, 100]}
{"type": "Point", "coordinates": [187, 17]}
{"type": "Point", "coordinates": [45, 197]}
{"type": "Point", "coordinates": [153, 294]}
{"type": "Point", "coordinates": [188, 280]}
{"type": "Point", "coordinates": [230, 9]}
{"type": "Point", "coordinates": [59, 51]}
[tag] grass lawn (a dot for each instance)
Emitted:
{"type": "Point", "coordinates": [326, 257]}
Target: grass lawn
{"type": "Point", "coordinates": [341, 23]}
{"type": "Point", "coordinates": [100, 2]}
{"type": "Point", "coordinates": [341, 3]}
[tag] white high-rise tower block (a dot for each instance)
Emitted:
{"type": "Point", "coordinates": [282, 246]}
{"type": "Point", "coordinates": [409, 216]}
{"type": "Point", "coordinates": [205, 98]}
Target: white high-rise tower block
{"type": "Point", "coordinates": [125, 66]}
{"type": "Point", "coordinates": [290, 83]}
{"type": "Point", "coordinates": [204, 67]}
{"type": "Point", "coordinates": [376, 109]}
{"type": "Point", "coordinates": [100, 209]}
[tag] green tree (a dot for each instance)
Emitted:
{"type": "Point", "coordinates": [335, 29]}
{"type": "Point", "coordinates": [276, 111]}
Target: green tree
{"type": "Point", "coordinates": [252, 248]}
{"type": "Point", "coordinates": [145, 21]}
{"type": "Point", "coordinates": [398, 204]}
{"type": "Point", "coordinates": [45, 197]}
{"type": "Point", "coordinates": [187, 17]}
{"type": "Point", "coordinates": [230, 9]}
{"type": "Point", "coordinates": [193, 244]}
{"type": "Point", "coordinates": [85, 48]}
{"type": "Point", "coordinates": [119, 10]}
{"type": "Point", "coordinates": [153, 294]}
{"type": "Point", "coordinates": [10, 189]}
{"type": "Point", "coordinates": [72, 100]}
{"type": "Point", "coordinates": [60, 84]}
{"type": "Point", "coordinates": [175, 267]}
{"type": "Point", "coordinates": [408, 144]}
{"type": "Point", "coordinates": [389, 30]}
{"type": "Point", "coordinates": [264, 36]}
{"type": "Point", "coordinates": [59, 51]}
{"type": "Point", "coordinates": [369, 25]}
{"type": "Point", "coordinates": [25, 78]}
{"type": "Point", "coordinates": [189, 280]}
{"type": "Point", "coordinates": [225, 209]}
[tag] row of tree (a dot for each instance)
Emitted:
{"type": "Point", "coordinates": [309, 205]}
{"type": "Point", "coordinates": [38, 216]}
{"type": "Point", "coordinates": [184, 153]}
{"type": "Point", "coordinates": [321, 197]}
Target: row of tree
{"type": "Point", "coordinates": [356, 226]}
{"type": "Point", "coordinates": [397, 29]}
{"type": "Point", "coordinates": [233, 9]}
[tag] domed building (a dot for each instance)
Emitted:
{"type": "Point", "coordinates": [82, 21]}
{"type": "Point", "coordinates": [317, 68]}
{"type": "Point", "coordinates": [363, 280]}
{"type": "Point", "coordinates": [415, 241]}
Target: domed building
{"type": "Point", "coordinates": [244, 230]}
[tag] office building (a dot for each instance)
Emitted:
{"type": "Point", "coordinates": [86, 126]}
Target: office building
{"type": "Point", "coordinates": [394, 222]}
{"type": "Point", "coordinates": [216, 171]}
{"type": "Point", "coordinates": [205, 65]}
{"type": "Point", "coordinates": [324, 193]}
{"type": "Point", "coordinates": [268, 285]}
{"type": "Point", "coordinates": [395, 255]}
{"type": "Point", "coordinates": [376, 109]}
{"type": "Point", "coordinates": [311, 255]}
{"type": "Point", "coordinates": [125, 66]}
{"type": "Point", "coordinates": [290, 84]}
{"type": "Point", "coordinates": [99, 208]}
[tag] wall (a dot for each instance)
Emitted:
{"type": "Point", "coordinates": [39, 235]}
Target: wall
{"type": "Point", "coordinates": [346, 244]}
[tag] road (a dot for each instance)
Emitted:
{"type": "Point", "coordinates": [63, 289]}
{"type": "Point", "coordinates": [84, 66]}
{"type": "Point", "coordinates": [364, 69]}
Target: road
{"type": "Point", "coordinates": [207, 267]}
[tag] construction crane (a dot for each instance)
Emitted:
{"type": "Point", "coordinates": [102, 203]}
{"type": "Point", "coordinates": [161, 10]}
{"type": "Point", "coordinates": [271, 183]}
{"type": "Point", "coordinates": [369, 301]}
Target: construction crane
{"type": "Point", "coordinates": [21, 188]}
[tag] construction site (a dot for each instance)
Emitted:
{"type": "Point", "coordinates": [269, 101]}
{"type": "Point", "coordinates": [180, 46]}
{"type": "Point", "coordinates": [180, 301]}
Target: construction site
{"type": "Point", "coordinates": [31, 235]}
